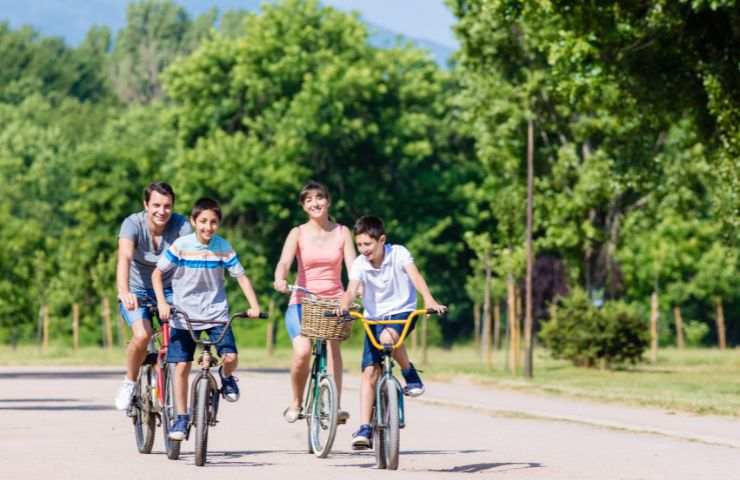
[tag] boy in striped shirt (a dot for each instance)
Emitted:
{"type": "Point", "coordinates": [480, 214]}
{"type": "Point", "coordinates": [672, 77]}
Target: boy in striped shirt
{"type": "Point", "coordinates": [199, 261]}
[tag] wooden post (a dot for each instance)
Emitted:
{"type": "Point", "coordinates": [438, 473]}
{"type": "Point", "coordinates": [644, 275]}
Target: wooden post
{"type": "Point", "coordinates": [654, 316]}
{"type": "Point", "coordinates": [486, 335]}
{"type": "Point", "coordinates": [513, 324]}
{"type": "Point", "coordinates": [496, 325]}
{"type": "Point", "coordinates": [122, 329]}
{"type": "Point", "coordinates": [476, 325]}
{"type": "Point", "coordinates": [107, 324]}
{"type": "Point", "coordinates": [270, 333]}
{"type": "Point", "coordinates": [678, 319]}
{"type": "Point", "coordinates": [424, 330]}
{"type": "Point", "coordinates": [528, 321]}
{"type": "Point", "coordinates": [76, 326]}
{"type": "Point", "coordinates": [720, 319]}
{"type": "Point", "coordinates": [45, 341]}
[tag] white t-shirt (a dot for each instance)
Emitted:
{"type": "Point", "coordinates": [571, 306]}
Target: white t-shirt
{"type": "Point", "coordinates": [386, 290]}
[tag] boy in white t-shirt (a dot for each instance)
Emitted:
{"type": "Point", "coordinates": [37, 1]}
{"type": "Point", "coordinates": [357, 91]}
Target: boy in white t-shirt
{"type": "Point", "coordinates": [389, 280]}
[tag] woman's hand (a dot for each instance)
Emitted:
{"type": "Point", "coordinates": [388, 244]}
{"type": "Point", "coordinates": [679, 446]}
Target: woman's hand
{"type": "Point", "coordinates": [281, 286]}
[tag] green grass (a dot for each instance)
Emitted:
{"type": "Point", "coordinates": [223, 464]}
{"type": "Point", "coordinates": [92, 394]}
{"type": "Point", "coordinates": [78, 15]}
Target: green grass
{"type": "Point", "coordinates": [703, 381]}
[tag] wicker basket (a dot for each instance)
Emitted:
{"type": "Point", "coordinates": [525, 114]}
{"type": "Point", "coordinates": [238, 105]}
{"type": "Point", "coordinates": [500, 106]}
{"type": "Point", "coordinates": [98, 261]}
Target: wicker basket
{"type": "Point", "coordinates": [316, 325]}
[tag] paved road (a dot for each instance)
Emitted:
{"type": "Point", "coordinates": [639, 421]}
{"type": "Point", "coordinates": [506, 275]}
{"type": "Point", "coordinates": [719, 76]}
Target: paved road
{"type": "Point", "coordinates": [59, 424]}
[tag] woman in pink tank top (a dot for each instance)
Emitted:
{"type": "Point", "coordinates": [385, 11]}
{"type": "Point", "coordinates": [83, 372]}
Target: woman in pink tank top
{"type": "Point", "coordinates": [320, 247]}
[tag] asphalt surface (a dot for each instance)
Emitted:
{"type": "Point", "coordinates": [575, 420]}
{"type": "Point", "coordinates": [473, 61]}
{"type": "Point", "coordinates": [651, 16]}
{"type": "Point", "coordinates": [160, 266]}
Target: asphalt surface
{"type": "Point", "coordinates": [59, 423]}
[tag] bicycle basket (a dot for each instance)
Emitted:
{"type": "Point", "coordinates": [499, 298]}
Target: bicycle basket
{"type": "Point", "coordinates": [316, 325]}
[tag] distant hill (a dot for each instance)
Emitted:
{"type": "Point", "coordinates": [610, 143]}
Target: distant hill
{"type": "Point", "coordinates": [71, 19]}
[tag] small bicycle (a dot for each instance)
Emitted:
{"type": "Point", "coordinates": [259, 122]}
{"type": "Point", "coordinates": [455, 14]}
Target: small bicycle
{"type": "Point", "coordinates": [153, 402]}
{"type": "Point", "coordinates": [388, 411]}
{"type": "Point", "coordinates": [321, 401]}
{"type": "Point", "coordinates": [204, 391]}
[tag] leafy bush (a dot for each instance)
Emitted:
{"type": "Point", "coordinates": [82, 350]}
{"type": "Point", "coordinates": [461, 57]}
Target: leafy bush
{"type": "Point", "coordinates": [587, 336]}
{"type": "Point", "coordinates": [695, 333]}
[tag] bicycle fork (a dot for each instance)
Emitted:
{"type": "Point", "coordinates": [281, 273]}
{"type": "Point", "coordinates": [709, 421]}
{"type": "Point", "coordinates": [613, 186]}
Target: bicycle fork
{"type": "Point", "coordinates": [388, 378]}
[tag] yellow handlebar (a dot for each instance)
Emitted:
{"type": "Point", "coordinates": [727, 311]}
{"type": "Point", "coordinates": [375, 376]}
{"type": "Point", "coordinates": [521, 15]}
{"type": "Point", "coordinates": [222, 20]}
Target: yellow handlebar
{"type": "Point", "coordinates": [407, 321]}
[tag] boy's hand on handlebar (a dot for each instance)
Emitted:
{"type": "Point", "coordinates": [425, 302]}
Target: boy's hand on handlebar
{"type": "Point", "coordinates": [441, 309]}
{"type": "Point", "coordinates": [281, 286]}
{"type": "Point", "coordinates": [164, 311]}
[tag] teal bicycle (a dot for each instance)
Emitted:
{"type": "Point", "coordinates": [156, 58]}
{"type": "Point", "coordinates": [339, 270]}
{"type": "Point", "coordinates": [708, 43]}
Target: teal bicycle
{"type": "Point", "coordinates": [321, 401]}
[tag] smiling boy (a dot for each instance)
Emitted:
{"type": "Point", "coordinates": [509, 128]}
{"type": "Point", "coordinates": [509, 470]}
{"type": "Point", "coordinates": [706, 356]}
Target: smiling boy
{"type": "Point", "coordinates": [390, 281]}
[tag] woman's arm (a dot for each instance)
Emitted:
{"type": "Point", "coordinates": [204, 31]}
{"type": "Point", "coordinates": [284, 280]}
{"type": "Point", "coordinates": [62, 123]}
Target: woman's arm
{"type": "Point", "coordinates": [286, 260]}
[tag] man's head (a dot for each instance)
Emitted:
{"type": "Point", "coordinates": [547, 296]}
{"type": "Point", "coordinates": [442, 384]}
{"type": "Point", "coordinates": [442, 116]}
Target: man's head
{"type": "Point", "coordinates": [370, 238]}
{"type": "Point", "coordinates": [159, 200]}
{"type": "Point", "coordinates": [205, 218]}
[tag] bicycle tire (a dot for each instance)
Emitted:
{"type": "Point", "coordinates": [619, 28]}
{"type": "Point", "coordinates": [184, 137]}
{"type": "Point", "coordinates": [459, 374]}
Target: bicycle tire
{"type": "Point", "coordinates": [307, 412]}
{"type": "Point", "coordinates": [378, 440]}
{"type": "Point", "coordinates": [172, 447]}
{"type": "Point", "coordinates": [200, 411]}
{"type": "Point", "coordinates": [323, 418]}
{"type": "Point", "coordinates": [145, 422]}
{"type": "Point", "coordinates": [392, 431]}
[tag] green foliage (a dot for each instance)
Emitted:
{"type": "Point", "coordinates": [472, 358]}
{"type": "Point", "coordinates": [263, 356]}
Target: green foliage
{"type": "Point", "coordinates": [696, 332]}
{"type": "Point", "coordinates": [588, 336]}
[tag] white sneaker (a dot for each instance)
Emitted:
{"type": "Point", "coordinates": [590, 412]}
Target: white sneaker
{"type": "Point", "coordinates": [125, 394]}
{"type": "Point", "coordinates": [342, 416]}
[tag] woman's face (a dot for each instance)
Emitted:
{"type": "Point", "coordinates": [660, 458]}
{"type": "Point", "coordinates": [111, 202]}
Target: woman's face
{"type": "Point", "coordinates": [316, 205]}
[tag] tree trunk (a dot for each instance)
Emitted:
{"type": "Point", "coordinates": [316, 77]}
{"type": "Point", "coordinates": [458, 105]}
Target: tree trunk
{"type": "Point", "coordinates": [514, 325]}
{"type": "Point", "coordinates": [270, 329]}
{"type": "Point", "coordinates": [678, 319]}
{"type": "Point", "coordinates": [654, 315]}
{"type": "Point", "coordinates": [476, 325]}
{"type": "Point", "coordinates": [720, 319]}
{"type": "Point", "coordinates": [122, 329]}
{"type": "Point", "coordinates": [486, 335]}
{"type": "Point", "coordinates": [107, 324]}
{"type": "Point", "coordinates": [45, 341]}
{"type": "Point", "coordinates": [76, 326]}
{"type": "Point", "coordinates": [528, 359]}
{"type": "Point", "coordinates": [496, 326]}
{"type": "Point", "coordinates": [424, 329]}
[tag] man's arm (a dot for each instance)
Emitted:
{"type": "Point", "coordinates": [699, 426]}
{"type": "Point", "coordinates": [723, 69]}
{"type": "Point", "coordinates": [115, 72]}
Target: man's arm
{"type": "Point", "coordinates": [125, 257]}
{"type": "Point", "coordinates": [423, 288]}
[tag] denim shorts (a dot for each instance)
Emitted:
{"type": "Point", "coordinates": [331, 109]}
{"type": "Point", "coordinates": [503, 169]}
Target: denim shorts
{"type": "Point", "coordinates": [182, 346]}
{"type": "Point", "coordinates": [293, 316]}
{"type": "Point", "coordinates": [143, 295]}
{"type": "Point", "coordinates": [370, 354]}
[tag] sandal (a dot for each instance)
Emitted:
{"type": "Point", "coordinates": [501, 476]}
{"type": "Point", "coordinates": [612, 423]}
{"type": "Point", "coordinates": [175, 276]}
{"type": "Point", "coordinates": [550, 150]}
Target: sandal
{"type": "Point", "coordinates": [291, 414]}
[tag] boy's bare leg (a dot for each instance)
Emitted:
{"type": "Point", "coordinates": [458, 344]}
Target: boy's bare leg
{"type": "Point", "coordinates": [299, 368]}
{"type": "Point", "coordinates": [367, 392]}
{"type": "Point", "coordinates": [399, 354]}
{"type": "Point", "coordinates": [141, 332]}
{"type": "Point", "coordinates": [335, 366]}
{"type": "Point", "coordinates": [182, 372]}
{"type": "Point", "coordinates": [231, 361]}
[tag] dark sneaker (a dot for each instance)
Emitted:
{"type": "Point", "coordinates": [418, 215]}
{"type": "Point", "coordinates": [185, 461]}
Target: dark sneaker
{"type": "Point", "coordinates": [229, 388]}
{"type": "Point", "coordinates": [177, 432]}
{"type": "Point", "coordinates": [363, 438]}
{"type": "Point", "coordinates": [414, 385]}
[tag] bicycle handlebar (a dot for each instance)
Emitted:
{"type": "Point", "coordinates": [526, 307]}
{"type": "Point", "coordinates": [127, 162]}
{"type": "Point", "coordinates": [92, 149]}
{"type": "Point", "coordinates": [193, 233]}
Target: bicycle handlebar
{"type": "Point", "coordinates": [189, 323]}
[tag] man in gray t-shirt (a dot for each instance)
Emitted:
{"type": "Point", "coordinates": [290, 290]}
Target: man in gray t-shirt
{"type": "Point", "coordinates": [141, 241]}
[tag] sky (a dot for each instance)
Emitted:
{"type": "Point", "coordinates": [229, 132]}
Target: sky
{"type": "Point", "coordinates": [424, 19]}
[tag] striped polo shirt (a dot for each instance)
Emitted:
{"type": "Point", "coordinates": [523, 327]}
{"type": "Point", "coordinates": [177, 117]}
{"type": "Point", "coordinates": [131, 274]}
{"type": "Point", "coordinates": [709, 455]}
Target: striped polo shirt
{"type": "Point", "coordinates": [198, 278]}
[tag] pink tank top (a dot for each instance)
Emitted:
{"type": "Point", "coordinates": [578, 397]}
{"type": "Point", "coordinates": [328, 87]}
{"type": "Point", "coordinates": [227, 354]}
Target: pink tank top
{"type": "Point", "coordinates": [320, 267]}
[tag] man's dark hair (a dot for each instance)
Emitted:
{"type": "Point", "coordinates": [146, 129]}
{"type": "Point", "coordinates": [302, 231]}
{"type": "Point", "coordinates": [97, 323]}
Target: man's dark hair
{"type": "Point", "coordinates": [161, 188]}
{"type": "Point", "coordinates": [370, 225]}
{"type": "Point", "coordinates": [311, 186]}
{"type": "Point", "coordinates": [205, 203]}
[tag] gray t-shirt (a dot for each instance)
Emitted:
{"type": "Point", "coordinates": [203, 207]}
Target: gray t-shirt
{"type": "Point", "coordinates": [145, 259]}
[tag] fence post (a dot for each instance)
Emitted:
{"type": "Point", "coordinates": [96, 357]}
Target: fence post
{"type": "Point", "coordinates": [107, 323]}
{"type": "Point", "coordinates": [270, 334]}
{"type": "Point", "coordinates": [424, 329]}
{"type": "Point", "coordinates": [45, 342]}
{"type": "Point", "coordinates": [654, 315]}
{"type": "Point", "coordinates": [76, 326]}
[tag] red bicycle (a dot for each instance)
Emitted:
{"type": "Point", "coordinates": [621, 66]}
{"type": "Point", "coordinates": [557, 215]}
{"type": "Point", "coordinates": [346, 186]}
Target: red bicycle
{"type": "Point", "coordinates": [154, 395]}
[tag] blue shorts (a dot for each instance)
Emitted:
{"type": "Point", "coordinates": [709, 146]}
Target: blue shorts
{"type": "Point", "coordinates": [143, 295]}
{"type": "Point", "coordinates": [182, 346]}
{"type": "Point", "coordinates": [370, 354]}
{"type": "Point", "coordinates": [293, 316]}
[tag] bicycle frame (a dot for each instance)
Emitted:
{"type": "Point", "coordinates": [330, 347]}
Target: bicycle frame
{"type": "Point", "coordinates": [318, 371]}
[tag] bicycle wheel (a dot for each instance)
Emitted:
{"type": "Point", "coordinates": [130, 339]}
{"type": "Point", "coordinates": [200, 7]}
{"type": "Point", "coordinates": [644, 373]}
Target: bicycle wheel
{"type": "Point", "coordinates": [307, 408]}
{"type": "Point", "coordinates": [168, 413]}
{"type": "Point", "coordinates": [378, 441]}
{"type": "Point", "coordinates": [200, 411]}
{"type": "Point", "coordinates": [145, 422]}
{"type": "Point", "coordinates": [392, 431]}
{"type": "Point", "coordinates": [323, 418]}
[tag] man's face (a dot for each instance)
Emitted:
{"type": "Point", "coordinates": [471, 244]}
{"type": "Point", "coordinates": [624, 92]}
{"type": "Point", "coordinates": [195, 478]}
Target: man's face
{"type": "Point", "coordinates": [371, 248]}
{"type": "Point", "coordinates": [158, 209]}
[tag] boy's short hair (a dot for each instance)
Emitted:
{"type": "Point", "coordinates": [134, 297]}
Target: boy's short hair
{"type": "Point", "coordinates": [370, 225]}
{"type": "Point", "coordinates": [310, 186]}
{"type": "Point", "coordinates": [203, 204]}
{"type": "Point", "coordinates": [162, 188]}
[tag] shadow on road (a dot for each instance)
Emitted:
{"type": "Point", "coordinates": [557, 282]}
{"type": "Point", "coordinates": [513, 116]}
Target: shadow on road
{"type": "Point", "coordinates": [96, 374]}
{"type": "Point", "coordinates": [480, 467]}
{"type": "Point", "coordinates": [38, 400]}
{"type": "Point", "coordinates": [52, 408]}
